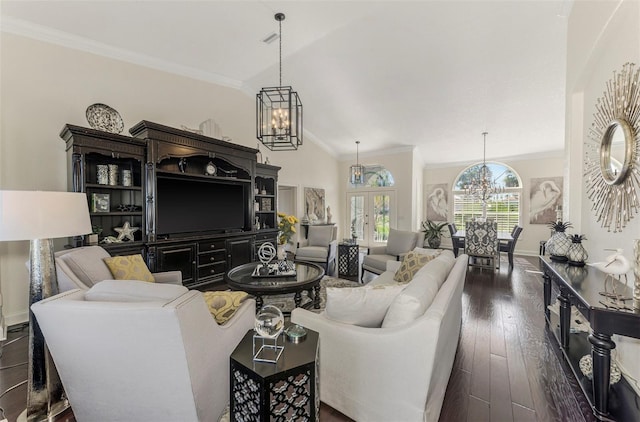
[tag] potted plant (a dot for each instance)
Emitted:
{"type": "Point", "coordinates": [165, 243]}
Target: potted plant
{"type": "Point", "coordinates": [287, 228]}
{"type": "Point", "coordinates": [433, 232]}
{"type": "Point", "coordinates": [559, 243]}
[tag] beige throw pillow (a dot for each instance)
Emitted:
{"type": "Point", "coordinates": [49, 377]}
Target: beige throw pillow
{"type": "Point", "coordinates": [364, 306]}
{"type": "Point", "coordinates": [131, 267]}
{"type": "Point", "coordinates": [411, 263]}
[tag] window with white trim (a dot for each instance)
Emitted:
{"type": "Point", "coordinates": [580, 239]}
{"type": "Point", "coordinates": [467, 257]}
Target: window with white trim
{"type": "Point", "coordinates": [504, 208]}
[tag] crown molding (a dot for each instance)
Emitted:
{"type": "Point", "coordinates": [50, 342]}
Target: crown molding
{"type": "Point", "coordinates": [534, 156]}
{"type": "Point", "coordinates": [53, 36]}
{"type": "Point", "coordinates": [379, 153]}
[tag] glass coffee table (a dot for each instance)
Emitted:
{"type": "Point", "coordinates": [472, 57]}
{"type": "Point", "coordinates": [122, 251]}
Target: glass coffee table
{"type": "Point", "coordinates": [308, 276]}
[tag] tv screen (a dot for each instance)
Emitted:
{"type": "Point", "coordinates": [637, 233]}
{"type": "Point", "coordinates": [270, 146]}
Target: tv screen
{"type": "Point", "coordinates": [192, 206]}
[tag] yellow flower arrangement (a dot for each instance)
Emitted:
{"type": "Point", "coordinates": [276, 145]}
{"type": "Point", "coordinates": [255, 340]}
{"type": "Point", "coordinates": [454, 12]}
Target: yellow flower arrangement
{"type": "Point", "coordinates": [287, 227]}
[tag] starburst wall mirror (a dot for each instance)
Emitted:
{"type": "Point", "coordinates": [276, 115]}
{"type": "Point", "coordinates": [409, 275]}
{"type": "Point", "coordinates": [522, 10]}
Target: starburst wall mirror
{"type": "Point", "coordinates": [612, 150]}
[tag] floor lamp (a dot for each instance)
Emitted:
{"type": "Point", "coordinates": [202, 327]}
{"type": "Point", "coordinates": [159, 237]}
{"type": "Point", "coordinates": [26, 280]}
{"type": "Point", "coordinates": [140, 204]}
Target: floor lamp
{"type": "Point", "coordinates": [39, 217]}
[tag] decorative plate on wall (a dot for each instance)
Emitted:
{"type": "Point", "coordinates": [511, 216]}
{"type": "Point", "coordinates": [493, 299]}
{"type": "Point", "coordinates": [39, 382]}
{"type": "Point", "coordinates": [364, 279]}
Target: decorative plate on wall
{"type": "Point", "coordinates": [103, 117]}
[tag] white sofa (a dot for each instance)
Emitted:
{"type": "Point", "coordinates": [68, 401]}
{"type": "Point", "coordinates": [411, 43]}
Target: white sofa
{"type": "Point", "coordinates": [137, 351]}
{"type": "Point", "coordinates": [397, 373]}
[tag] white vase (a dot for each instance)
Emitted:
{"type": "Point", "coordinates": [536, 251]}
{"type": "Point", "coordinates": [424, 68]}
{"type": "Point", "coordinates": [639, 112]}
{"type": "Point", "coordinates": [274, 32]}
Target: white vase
{"type": "Point", "coordinates": [281, 252]}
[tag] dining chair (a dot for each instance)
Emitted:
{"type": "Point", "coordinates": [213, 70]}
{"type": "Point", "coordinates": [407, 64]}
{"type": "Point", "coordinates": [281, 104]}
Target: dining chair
{"type": "Point", "coordinates": [481, 244]}
{"type": "Point", "coordinates": [509, 246]}
{"type": "Point", "coordinates": [456, 242]}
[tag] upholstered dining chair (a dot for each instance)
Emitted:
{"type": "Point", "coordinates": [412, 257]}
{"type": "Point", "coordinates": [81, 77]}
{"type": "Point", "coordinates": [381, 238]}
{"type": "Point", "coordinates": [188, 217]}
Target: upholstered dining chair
{"type": "Point", "coordinates": [456, 242]}
{"type": "Point", "coordinates": [399, 243]}
{"type": "Point", "coordinates": [81, 268]}
{"type": "Point", "coordinates": [134, 351]}
{"type": "Point", "coordinates": [509, 246]}
{"type": "Point", "coordinates": [481, 244]}
{"type": "Point", "coordinates": [319, 247]}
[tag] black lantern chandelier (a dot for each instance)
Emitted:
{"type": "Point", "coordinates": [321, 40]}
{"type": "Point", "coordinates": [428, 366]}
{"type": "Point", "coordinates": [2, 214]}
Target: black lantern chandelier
{"type": "Point", "coordinates": [357, 170]}
{"type": "Point", "coordinates": [279, 112]}
{"type": "Point", "coordinates": [482, 186]}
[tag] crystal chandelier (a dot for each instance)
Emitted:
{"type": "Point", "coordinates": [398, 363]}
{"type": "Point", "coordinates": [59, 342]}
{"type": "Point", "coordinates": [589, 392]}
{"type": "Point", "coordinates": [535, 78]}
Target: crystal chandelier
{"type": "Point", "coordinates": [482, 187]}
{"type": "Point", "coordinates": [279, 112]}
{"type": "Point", "coordinates": [357, 170]}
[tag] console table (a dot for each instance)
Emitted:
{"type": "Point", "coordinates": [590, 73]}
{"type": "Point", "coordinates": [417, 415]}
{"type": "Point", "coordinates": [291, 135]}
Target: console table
{"type": "Point", "coordinates": [581, 287]}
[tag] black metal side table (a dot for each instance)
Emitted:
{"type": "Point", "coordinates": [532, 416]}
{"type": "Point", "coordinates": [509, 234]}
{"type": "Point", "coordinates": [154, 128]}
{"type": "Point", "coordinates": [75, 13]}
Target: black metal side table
{"type": "Point", "coordinates": [348, 260]}
{"type": "Point", "coordinates": [287, 389]}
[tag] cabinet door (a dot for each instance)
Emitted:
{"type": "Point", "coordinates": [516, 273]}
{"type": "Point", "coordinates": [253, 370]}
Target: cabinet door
{"type": "Point", "coordinates": [178, 257]}
{"type": "Point", "coordinates": [239, 251]}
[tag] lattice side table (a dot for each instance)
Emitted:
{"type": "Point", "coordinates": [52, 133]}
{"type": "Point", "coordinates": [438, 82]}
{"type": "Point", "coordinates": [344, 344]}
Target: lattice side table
{"type": "Point", "coordinates": [286, 390]}
{"type": "Point", "coordinates": [348, 260]}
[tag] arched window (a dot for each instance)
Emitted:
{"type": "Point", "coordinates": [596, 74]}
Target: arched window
{"type": "Point", "coordinates": [503, 207]}
{"type": "Point", "coordinates": [376, 176]}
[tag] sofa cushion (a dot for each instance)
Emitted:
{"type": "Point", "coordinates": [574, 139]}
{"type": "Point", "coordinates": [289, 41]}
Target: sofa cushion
{"type": "Point", "coordinates": [86, 264]}
{"type": "Point", "coordinates": [129, 267]}
{"type": "Point", "coordinates": [365, 306]}
{"type": "Point", "coordinates": [320, 235]}
{"type": "Point", "coordinates": [316, 253]}
{"type": "Point", "coordinates": [419, 293]}
{"type": "Point", "coordinates": [223, 304]}
{"type": "Point", "coordinates": [133, 291]}
{"type": "Point", "coordinates": [400, 241]}
{"type": "Point", "coordinates": [411, 263]}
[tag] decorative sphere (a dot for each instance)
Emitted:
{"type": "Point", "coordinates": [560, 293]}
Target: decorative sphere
{"type": "Point", "coordinates": [269, 322]}
{"type": "Point", "coordinates": [267, 252]}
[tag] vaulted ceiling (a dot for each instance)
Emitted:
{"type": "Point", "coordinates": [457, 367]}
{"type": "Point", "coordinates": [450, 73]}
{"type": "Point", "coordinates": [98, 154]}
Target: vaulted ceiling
{"type": "Point", "coordinates": [434, 74]}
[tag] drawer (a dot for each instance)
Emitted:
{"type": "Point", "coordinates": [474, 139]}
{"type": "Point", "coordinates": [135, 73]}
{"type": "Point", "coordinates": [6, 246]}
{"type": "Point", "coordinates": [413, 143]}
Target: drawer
{"type": "Point", "coordinates": [211, 245]}
{"type": "Point", "coordinates": [271, 237]}
{"type": "Point", "coordinates": [213, 269]}
{"type": "Point", "coordinates": [206, 258]}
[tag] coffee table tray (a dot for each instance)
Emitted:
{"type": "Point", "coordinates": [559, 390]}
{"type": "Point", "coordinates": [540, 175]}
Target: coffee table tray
{"type": "Point", "coordinates": [274, 271]}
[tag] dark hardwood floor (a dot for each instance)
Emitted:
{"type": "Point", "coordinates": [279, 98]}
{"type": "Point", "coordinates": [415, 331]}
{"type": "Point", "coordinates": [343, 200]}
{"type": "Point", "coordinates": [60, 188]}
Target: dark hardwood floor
{"type": "Point", "coordinates": [506, 366]}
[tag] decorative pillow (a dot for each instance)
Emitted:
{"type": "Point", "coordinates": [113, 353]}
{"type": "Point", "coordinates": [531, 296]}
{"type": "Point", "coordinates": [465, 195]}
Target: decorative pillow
{"type": "Point", "coordinates": [223, 305]}
{"type": "Point", "coordinates": [320, 235]}
{"type": "Point", "coordinates": [411, 263]}
{"type": "Point", "coordinates": [133, 291]}
{"type": "Point", "coordinates": [420, 292]}
{"type": "Point", "coordinates": [131, 267]}
{"type": "Point", "coordinates": [365, 306]}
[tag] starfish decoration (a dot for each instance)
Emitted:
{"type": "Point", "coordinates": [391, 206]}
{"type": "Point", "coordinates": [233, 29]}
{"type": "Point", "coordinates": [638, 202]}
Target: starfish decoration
{"type": "Point", "coordinates": [126, 231]}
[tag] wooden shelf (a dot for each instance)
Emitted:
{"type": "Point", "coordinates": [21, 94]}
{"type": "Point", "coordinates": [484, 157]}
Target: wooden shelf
{"type": "Point", "coordinates": [114, 187]}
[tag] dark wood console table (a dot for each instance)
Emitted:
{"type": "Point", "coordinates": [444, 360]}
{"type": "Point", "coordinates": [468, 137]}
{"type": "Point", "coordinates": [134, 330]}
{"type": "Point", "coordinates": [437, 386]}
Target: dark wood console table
{"type": "Point", "coordinates": [581, 287]}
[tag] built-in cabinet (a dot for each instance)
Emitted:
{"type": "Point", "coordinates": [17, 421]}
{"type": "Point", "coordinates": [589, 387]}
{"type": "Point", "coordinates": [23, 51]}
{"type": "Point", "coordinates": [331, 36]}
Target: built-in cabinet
{"type": "Point", "coordinates": [192, 197]}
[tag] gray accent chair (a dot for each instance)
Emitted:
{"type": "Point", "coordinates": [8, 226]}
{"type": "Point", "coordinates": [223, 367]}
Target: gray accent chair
{"type": "Point", "coordinates": [134, 351]}
{"type": "Point", "coordinates": [81, 268]}
{"type": "Point", "coordinates": [399, 243]}
{"type": "Point", "coordinates": [319, 247]}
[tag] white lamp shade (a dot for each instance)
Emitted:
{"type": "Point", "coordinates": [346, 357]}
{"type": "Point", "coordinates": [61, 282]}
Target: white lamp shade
{"type": "Point", "coordinates": [28, 215]}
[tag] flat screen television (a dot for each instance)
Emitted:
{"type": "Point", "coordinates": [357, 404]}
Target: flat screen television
{"type": "Point", "coordinates": [196, 206]}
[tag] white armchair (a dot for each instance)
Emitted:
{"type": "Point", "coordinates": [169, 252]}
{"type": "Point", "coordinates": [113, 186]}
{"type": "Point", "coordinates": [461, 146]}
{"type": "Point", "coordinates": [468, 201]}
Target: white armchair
{"type": "Point", "coordinates": [399, 243]}
{"type": "Point", "coordinates": [81, 268]}
{"type": "Point", "coordinates": [320, 247]}
{"type": "Point", "coordinates": [134, 351]}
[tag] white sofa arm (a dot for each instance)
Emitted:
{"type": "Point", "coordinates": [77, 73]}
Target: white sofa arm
{"type": "Point", "coordinates": [377, 366]}
{"type": "Point", "coordinates": [169, 277]}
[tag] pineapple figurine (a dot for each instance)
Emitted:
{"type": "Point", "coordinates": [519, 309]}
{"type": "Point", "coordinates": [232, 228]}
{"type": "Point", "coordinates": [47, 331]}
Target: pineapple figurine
{"type": "Point", "coordinates": [577, 254]}
{"type": "Point", "coordinates": [559, 243]}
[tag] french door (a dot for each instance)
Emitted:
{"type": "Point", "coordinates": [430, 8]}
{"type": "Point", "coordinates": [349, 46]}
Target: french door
{"type": "Point", "coordinates": [371, 214]}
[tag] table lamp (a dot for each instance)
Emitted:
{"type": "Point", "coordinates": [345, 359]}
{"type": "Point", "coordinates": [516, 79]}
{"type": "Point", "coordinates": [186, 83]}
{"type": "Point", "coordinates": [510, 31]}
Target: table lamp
{"type": "Point", "coordinates": [40, 216]}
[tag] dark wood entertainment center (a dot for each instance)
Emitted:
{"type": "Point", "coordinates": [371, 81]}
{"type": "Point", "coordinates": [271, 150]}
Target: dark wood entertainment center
{"type": "Point", "coordinates": [195, 199]}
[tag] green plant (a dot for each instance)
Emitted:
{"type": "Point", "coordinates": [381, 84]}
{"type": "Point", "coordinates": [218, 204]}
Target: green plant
{"type": "Point", "coordinates": [559, 226]}
{"type": "Point", "coordinates": [433, 230]}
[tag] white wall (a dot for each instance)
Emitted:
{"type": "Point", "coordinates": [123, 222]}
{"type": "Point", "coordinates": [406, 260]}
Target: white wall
{"type": "Point", "coordinates": [532, 234]}
{"type": "Point", "coordinates": [44, 86]}
{"type": "Point", "coordinates": [602, 37]}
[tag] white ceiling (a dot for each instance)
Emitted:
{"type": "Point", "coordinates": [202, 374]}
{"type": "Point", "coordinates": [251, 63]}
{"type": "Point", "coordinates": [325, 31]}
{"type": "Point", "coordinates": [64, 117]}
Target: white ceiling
{"type": "Point", "coordinates": [434, 74]}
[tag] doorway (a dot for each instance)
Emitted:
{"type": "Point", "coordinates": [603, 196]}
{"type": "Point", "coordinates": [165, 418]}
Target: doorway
{"type": "Point", "coordinates": [287, 203]}
{"type": "Point", "coordinates": [371, 214]}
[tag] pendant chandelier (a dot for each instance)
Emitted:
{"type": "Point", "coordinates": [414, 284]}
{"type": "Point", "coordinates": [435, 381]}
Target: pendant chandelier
{"type": "Point", "coordinates": [482, 186]}
{"type": "Point", "coordinates": [279, 112]}
{"type": "Point", "coordinates": [357, 170]}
